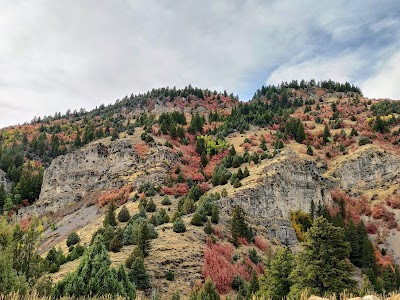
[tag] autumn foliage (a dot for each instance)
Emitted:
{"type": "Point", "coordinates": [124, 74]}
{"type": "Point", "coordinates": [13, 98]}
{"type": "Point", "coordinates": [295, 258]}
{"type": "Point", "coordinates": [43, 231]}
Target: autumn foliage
{"type": "Point", "coordinates": [219, 267]}
{"type": "Point", "coordinates": [119, 196]}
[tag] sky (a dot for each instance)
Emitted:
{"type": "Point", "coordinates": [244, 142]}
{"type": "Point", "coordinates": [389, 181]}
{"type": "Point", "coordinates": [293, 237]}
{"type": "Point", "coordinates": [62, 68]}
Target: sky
{"type": "Point", "coordinates": [59, 55]}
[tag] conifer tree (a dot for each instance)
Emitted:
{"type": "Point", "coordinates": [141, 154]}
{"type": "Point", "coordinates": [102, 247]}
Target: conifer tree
{"type": "Point", "coordinates": [110, 216]}
{"type": "Point", "coordinates": [239, 226]}
{"type": "Point", "coordinates": [275, 282]}
{"type": "Point", "coordinates": [138, 274]}
{"type": "Point", "coordinates": [207, 292]}
{"type": "Point", "coordinates": [327, 134]}
{"type": "Point", "coordinates": [207, 228]}
{"type": "Point", "coordinates": [94, 277]}
{"type": "Point", "coordinates": [124, 215]}
{"type": "Point", "coordinates": [215, 214]}
{"type": "Point", "coordinates": [144, 239]}
{"type": "Point", "coordinates": [321, 266]}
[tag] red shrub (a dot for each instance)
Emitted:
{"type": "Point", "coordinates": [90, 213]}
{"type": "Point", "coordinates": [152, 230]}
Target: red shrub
{"type": "Point", "coordinates": [261, 243]}
{"type": "Point", "coordinates": [141, 148]}
{"type": "Point", "coordinates": [371, 228]}
{"type": "Point", "coordinates": [393, 201]}
{"type": "Point", "coordinates": [120, 196]}
{"type": "Point", "coordinates": [378, 211]}
{"type": "Point", "coordinates": [243, 241]}
{"type": "Point", "coordinates": [178, 189]}
{"type": "Point", "coordinates": [217, 266]}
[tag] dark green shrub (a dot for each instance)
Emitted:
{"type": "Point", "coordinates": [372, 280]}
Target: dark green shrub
{"type": "Point", "coordinates": [73, 239]}
{"type": "Point", "coordinates": [179, 226]}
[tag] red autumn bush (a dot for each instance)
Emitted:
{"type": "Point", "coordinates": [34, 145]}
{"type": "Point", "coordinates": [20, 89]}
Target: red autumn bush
{"type": "Point", "coordinates": [261, 243]}
{"type": "Point", "coordinates": [217, 266]}
{"type": "Point", "coordinates": [141, 148]}
{"type": "Point", "coordinates": [243, 241]}
{"type": "Point", "coordinates": [218, 231]}
{"type": "Point", "coordinates": [393, 201]}
{"type": "Point", "coordinates": [120, 196]}
{"type": "Point", "coordinates": [378, 211]}
{"type": "Point", "coordinates": [371, 228]}
{"type": "Point", "coordinates": [178, 189]}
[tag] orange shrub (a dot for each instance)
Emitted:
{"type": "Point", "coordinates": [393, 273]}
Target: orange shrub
{"type": "Point", "coordinates": [119, 196]}
{"type": "Point", "coordinates": [261, 243]}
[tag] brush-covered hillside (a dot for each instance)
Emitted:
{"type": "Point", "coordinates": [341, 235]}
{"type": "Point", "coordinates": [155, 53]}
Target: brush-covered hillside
{"type": "Point", "coordinates": [193, 194]}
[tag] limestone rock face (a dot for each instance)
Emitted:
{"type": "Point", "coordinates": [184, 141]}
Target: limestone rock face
{"type": "Point", "coordinates": [4, 180]}
{"type": "Point", "coordinates": [286, 183]}
{"type": "Point", "coordinates": [100, 167]}
{"type": "Point", "coordinates": [368, 168]}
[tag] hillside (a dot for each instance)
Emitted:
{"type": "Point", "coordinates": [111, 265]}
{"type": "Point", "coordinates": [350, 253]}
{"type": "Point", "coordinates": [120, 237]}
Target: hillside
{"type": "Point", "coordinates": [293, 153]}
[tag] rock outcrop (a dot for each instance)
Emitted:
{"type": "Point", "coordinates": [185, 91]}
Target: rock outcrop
{"type": "Point", "coordinates": [368, 168]}
{"type": "Point", "coordinates": [4, 181]}
{"type": "Point", "coordinates": [98, 167]}
{"type": "Point", "coordinates": [287, 183]}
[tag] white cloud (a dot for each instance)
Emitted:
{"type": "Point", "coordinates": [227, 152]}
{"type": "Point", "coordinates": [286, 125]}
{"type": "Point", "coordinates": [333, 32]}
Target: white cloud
{"type": "Point", "coordinates": [339, 68]}
{"type": "Point", "coordinates": [386, 82]}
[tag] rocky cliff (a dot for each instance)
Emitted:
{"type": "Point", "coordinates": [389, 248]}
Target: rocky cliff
{"type": "Point", "coordinates": [98, 167]}
{"type": "Point", "coordinates": [4, 181]}
{"type": "Point", "coordinates": [367, 168]}
{"type": "Point", "coordinates": [286, 183]}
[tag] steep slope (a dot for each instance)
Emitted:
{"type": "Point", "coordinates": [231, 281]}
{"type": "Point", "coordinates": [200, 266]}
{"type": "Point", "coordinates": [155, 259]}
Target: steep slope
{"type": "Point", "coordinates": [279, 186]}
{"type": "Point", "coordinates": [101, 166]}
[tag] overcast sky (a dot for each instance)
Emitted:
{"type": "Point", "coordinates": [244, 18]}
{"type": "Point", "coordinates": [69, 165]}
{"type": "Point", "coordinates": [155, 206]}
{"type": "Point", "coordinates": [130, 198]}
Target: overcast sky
{"type": "Point", "coordinates": [56, 55]}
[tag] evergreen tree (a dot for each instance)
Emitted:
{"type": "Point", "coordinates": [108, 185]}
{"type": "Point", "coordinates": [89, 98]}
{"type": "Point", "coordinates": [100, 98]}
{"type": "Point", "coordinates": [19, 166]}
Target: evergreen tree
{"type": "Point", "coordinates": [151, 206]}
{"type": "Point", "coordinates": [275, 283]}
{"type": "Point", "coordinates": [208, 228]}
{"type": "Point", "coordinates": [253, 286]}
{"type": "Point", "coordinates": [215, 214]}
{"type": "Point", "coordinates": [197, 220]}
{"type": "Point", "coordinates": [144, 239]}
{"type": "Point", "coordinates": [239, 226]}
{"type": "Point", "coordinates": [138, 274]}
{"type": "Point", "coordinates": [94, 277]}
{"type": "Point", "coordinates": [207, 292]}
{"type": "Point", "coordinates": [73, 239]}
{"type": "Point", "coordinates": [300, 133]}
{"type": "Point", "coordinates": [110, 219]}
{"type": "Point", "coordinates": [366, 286]}
{"type": "Point", "coordinates": [124, 215]}
{"type": "Point", "coordinates": [327, 134]}
{"type": "Point", "coordinates": [321, 266]}
{"type": "Point", "coordinates": [179, 226]}
{"type": "Point", "coordinates": [355, 236]}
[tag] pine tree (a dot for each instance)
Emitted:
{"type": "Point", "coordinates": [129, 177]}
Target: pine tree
{"type": "Point", "coordinates": [215, 214]}
{"type": "Point", "coordinates": [207, 292]}
{"type": "Point", "coordinates": [321, 266]}
{"type": "Point", "coordinates": [138, 274]}
{"type": "Point", "coordinates": [275, 282]}
{"type": "Point", "coordinates": [355, 236]}
{"type": "Point", "coordinates": [300, 133]}
{"type": "Point", "coordinates": [239, 226]}
{"type": "Point", "coordinates": [124, 215]}
{"type": "Point", "coordinates": [179, 226]}
{"type": "Point", "coordinates": [208, 228]}
{"type": "Point", "coordinates": [110, 216]}
{"type": "Point", "coordinates": [144, 239]}
{"type": "Point", "coordinates": [94, 277]}
{"type": "Point", "coordinates": [327, 134]}
{"type": "Point", "coordinates": [253, 285]}
{"type": "Point", "coordinates": [73, 239]}
{"type": "Point", "coordinates": [366, 286]}
{"type": "Point", "coordinates": [197, 220]}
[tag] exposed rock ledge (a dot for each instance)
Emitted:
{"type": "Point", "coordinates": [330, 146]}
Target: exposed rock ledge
{"type": "Point", "coordinates": [285, 184]}
{"type": "Point", "coordinates": [100, 166]}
